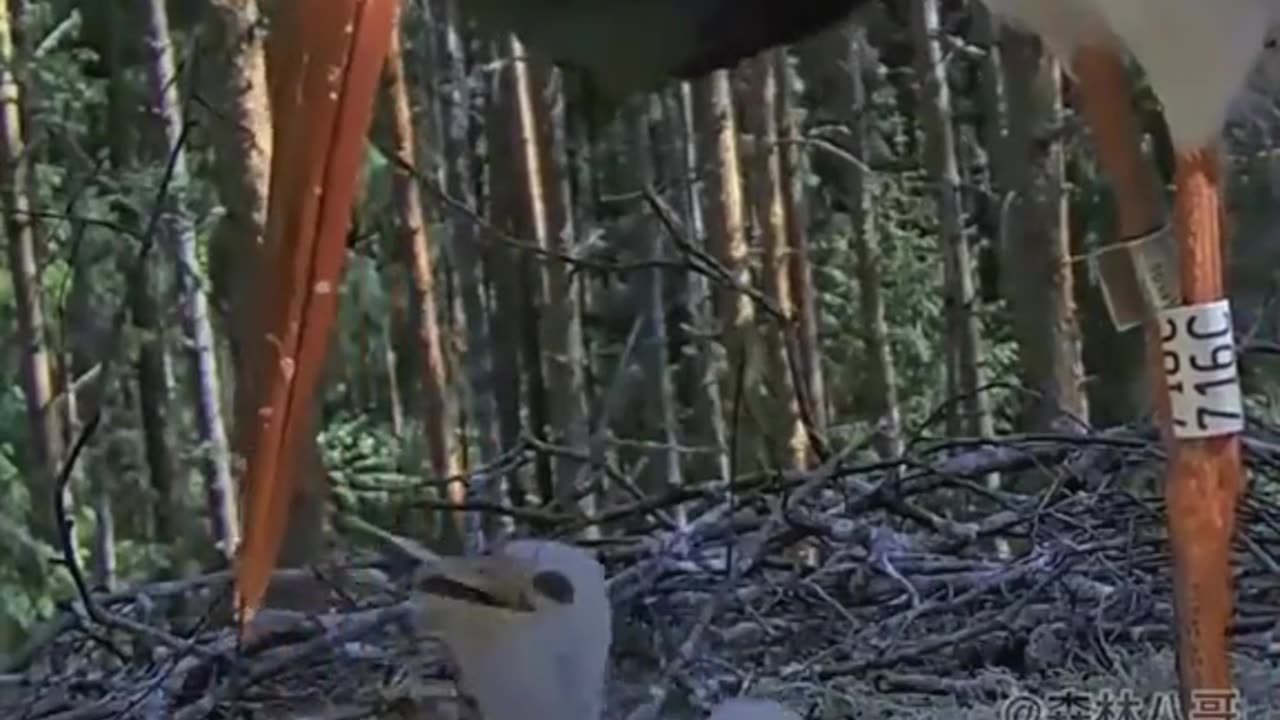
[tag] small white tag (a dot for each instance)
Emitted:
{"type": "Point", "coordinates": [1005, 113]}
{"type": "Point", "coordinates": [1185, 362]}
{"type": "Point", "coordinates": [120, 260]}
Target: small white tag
{"type": "Point", "coordinates": [1200, 369]}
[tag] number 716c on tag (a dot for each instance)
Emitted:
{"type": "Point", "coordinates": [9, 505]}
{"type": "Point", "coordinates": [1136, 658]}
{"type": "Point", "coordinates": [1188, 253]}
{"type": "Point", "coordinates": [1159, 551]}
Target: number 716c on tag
{"type": "Point", "coordinates": [1200, 369]}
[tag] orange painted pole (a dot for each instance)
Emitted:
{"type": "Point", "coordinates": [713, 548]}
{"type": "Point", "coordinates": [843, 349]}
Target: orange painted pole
{"type": "Point", "coordinates": [1191, 358]}
{"type": "Point", "coordinates": [1205, 477]}
{"type": "Point", "coordinates": [325, 60]}
{"type": "Point", "coordinates": [1105, 91]}
{"type": "Point", "coordinates": [1105, 95]}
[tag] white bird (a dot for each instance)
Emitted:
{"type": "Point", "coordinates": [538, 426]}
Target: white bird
{"type": "Point", "coordinates": [530, 628]}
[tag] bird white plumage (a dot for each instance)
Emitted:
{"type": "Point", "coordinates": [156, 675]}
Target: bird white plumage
{"type": "Point", "coordinates": [525, 654]}
{"type": "Point", "coordinates": [544, 662]}
{"type": "Point", "coordinates": [1197, 54]}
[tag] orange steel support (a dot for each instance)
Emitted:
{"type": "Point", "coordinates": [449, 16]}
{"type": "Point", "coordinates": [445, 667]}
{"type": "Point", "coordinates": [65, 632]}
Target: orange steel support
{"type": "Point", "coordinates": [1105, 93]}
{"type": "Point", "coordinates": [1203, 478]}
{"type": "Point", "coordinates": [324, 61]}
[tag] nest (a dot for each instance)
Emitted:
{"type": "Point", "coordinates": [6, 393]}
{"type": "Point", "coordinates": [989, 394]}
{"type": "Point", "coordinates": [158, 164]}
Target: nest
{"type": "Point", "coordinates": [904, 589]}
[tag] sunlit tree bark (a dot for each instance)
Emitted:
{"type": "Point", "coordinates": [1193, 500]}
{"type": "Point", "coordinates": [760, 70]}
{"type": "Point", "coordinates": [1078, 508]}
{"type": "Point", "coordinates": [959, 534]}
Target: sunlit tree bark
{"type": "Point", "coordinates": [44, 424]}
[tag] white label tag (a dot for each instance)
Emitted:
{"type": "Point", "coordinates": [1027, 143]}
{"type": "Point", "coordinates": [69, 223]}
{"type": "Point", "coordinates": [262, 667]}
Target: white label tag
{"type": "Point", "coordinates": [1139, 276]}
{"type": "Point", "coordinates": [1200, 369]}
{"type": "Point", "coordinates": [1156, 257]}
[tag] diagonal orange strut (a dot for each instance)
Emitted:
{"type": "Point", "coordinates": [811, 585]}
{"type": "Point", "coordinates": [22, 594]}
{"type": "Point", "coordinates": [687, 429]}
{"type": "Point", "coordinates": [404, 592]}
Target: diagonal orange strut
{"type": "Point", "coordinates": [1203, 477]}
{"type": "Point", "coordinates": [1105, 93]}
{"type": "Point", "coordinates": [325, 58]}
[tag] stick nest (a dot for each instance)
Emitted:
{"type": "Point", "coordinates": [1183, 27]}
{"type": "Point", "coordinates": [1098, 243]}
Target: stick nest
{"type": "Point", "coordinates": [903, 589]}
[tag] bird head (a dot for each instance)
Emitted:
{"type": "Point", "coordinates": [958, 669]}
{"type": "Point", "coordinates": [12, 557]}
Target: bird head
{"type": "Point", "coordinates": [528, 626]}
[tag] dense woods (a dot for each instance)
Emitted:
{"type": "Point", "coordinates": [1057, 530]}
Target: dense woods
{"type": "Point", "coordinates": [553, 318]}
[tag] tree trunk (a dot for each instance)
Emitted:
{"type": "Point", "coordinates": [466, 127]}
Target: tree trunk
{"type": "Point", "coordinates": [155, 395]}
{"type": "Point", "coordinates": [963, 335]}
{"type": "Point", "coordinates": [839, 66]}
{"type": "Point", "coordinates": [44, 424]}
{"type": "Point", "coordinates": [542, 115]}
{"type": "Point", "coordinates": [242, 157]}
{"type": "Point", "coordinates": [727, 242]}
{"type": "Point", "coordinates": [179, 237]}
{"type": "Point", "coordinates": [1038, 244]}
{"type": "Point", "coordinates": [464, 247]}
{"type": "Point", "coordinates": [783, 424]}
{"type": "Point", "coordinates": [533, 202]}
{"type": "Point", "coordinates": [511, 314]}
{"type": "Point", "coordinates": [657, 396]}
{"type": "Point", "coordinates": [414, 243]}
{"type": "Point", "coordinates": [809, 377]}
{"type": "Point", "coordinates": [699, 368]}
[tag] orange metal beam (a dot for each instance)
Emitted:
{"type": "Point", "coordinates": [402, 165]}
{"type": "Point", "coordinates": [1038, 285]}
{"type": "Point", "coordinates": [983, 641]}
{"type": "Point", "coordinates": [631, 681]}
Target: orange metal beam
{"type": "Point", "coordinates": [1105, 94]}
{"type": "Point", "coordinates": [1205, 477]}
{"type": "Point", "coordinates": [324, 62]}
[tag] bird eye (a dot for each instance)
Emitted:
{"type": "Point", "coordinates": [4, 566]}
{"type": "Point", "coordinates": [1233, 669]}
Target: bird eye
{"type": "Point", "coordinates": [555, 586]}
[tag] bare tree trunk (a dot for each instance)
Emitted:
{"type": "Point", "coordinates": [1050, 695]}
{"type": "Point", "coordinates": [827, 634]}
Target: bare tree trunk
{"type": "Point", "coordinates": [1039, 243]}
{"type": "Point", "coordinates": [465, 251]}
{"type": "Point", "coordinates": [44, 424]}
{"type": "Point", "coordinates": [154, 393]}
{"type": "Point", "coordinates": [840, 68]}
{"type": "Point", "coordinates": [543, 148]}
{"type": "Point", "coordinates": [391, 366]}
{"type": "Point", "coordinates": [26, 38]}
{"type": "Point", "coordinates": [808, 352]}
{"type": "Point", "coordinates": [243, 161]}
{"type": "Point", "coordinates": [83, 342]}
{"type": "Point", "coordinates": [706, 425]}
{"type": "Point", "coordinates": [664, 470]}
{"type": "Point", "coordinates": [784, 421]}
{"type": "Point", "coordinates": [963, 336]}
{"type": "Point", "coordinates": [727, 240]}
{"type": "Point", "coordinates": [726, 214]}
{"type": "Point", "coordinates": [180, 239]}
{"type": "Point", "coordinates": [883, 377]}
{"type": "Point", "coordinates": [437, 404]}
{"type": "Point", "coordinates": [530, 203]}
{"type": "Point", "coordinates": [510, 314]}
{"type": "Point", "coordinates": [104, 556]}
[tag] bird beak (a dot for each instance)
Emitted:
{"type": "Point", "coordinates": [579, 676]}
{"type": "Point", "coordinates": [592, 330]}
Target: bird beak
{"type": "Point", "coordinates": [488, 582]}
